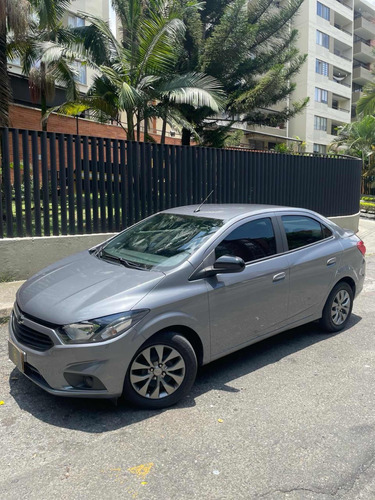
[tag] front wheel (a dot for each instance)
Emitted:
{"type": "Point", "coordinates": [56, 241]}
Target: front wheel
{"type": "Point", "coordinates": [338, 308]}
{"type": "Point", "coordinates": [162, 372]}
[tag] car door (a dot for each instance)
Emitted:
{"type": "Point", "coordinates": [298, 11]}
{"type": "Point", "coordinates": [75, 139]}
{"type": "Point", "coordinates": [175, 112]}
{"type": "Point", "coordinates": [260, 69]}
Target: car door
{"type": "Point", "coordinates": [314, 256]}
{"type": "Point", "coordinates": [249, 304]}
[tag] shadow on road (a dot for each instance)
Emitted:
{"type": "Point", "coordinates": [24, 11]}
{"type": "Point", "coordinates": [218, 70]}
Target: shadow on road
{"type": "Point", "coordinates": [98, 416]}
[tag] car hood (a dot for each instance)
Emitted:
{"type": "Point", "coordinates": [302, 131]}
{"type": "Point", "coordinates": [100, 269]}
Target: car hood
{"type": "Point", "coordinates": [83, 287]}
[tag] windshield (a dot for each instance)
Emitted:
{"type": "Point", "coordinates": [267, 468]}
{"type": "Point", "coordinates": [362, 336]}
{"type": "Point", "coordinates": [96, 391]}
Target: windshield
{"type": "Point", "coordinates": [162, 241]}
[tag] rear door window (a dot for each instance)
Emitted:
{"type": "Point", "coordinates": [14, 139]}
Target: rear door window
{"type": "Point", "coordinates": [301, 231]}
{"type": "Point", "coordinates": [252, 241]}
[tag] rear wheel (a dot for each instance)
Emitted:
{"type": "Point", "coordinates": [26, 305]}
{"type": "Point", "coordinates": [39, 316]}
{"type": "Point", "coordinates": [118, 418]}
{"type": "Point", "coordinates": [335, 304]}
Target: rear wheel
{"type": "Point", "coordinates": [338, 308]}
{"type": "Point", "coordinates": [162, 372]}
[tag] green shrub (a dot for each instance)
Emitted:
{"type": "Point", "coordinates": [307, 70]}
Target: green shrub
{"type": "Point", "coordinates": [368, 206]}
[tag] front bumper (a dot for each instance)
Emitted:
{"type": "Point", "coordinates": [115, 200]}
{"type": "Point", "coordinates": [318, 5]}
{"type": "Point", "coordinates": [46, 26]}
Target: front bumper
{"type": "Point", "coordinates": [85, 371]}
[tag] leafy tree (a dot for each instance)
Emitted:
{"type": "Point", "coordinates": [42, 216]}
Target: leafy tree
{"type": "Point", "coordinates": [366, 104]}
{"type": "Point", "coordinates": [14, 15]}
{"type": "Point", "coordinates": [249, 46]}
{"type": "Point", "coordinates": [358, 139]}
{"type": "Point", "coordinates": [138, 74]}
{"type": "Point", "coordinates": [48, 53]}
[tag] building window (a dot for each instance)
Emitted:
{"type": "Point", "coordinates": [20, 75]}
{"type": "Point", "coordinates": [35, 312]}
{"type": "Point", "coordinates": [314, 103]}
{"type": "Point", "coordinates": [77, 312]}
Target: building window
{"type": "Point", "coordinates": [320, 148]}
{"type": "Point", "coordinates": [320, 123]}
{"type": "Point", "coordinates": [75, 21]}
{"type": "Point", "coordinates": [321, 95]}
{"type": "Point", "coordinates": [321, 67]}
{"type": "Point", "coordinates": [322, 11]}
{"type": "Point", "coordinates": [322, 39]}
{"type": "Point", "coordinates": [80, 68]}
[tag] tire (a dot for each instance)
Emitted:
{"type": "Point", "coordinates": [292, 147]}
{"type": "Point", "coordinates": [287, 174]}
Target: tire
{"type": "Point", "coordinates": [161, 373]}
{"type": "Point", "coordinates": [338, 308]}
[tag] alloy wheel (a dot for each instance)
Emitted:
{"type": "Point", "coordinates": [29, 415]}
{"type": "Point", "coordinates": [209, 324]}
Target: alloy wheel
{"type": "Point", "coordinates": [340, 307]}
{"type": "Point", "coordinates": [157, 371]}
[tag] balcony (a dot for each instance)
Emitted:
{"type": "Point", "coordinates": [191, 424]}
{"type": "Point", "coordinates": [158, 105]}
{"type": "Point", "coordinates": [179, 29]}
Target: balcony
{"type": "Point", "coordinates": [362, 75]}
{"type": "Point", "coordinates": [363, 27]}
{"type": "Point", "coordinates": [337, 26]}
{"type": "Point", "coordinates": [341, 82]}
{"type": "Point", "coordinates": [345, 4]}
{"type": "Point", "coordinates": [338, 108]}
{"type": "Point", "coordinates": [363, 51]}
{"type": "Point", "coordinates": [340, 54]}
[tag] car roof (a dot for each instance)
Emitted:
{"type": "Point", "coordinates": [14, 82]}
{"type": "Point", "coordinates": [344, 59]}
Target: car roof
{"type": "Point", "coordinates": [228, 211]}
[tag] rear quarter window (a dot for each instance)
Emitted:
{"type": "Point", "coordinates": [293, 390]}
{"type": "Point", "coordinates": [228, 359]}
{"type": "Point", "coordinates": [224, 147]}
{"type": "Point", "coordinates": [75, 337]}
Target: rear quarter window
{"type": "Point", "coordinates": [301, 231]}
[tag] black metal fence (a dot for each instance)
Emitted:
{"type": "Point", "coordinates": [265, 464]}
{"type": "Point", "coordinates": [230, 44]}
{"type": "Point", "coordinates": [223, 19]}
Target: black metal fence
{"type": "Point", "coordinates": [69, 184]}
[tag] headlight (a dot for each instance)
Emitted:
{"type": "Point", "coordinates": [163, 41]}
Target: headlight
{"type": "Point", "coordinates": [100, 329]}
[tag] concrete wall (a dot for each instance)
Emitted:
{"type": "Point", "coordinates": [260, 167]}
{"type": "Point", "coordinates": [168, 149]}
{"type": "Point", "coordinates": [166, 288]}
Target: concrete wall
{"type": "Point", "coordinates": [347, 222]}
{"type": "Point", "coordinates": [22, 257]}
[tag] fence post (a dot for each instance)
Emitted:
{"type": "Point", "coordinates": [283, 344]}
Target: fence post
{"type": "Point", "coordinates": [6, 184]}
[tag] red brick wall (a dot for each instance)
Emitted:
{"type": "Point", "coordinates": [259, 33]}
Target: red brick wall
{"type": "Point", "coordinates": [22, 117]}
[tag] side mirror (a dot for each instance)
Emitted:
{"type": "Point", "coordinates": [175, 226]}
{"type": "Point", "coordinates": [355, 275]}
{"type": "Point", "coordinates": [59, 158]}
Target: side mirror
{"type": "Point", "coordinates": [223, 265]}
{"type": "Point", "coordinates": [228, 264]}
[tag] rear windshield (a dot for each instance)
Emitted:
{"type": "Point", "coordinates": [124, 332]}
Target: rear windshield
{"type": "Point", "coordinates": [162, 241]}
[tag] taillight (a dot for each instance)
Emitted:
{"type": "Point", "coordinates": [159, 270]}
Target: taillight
{"type": "Point", "coordinates": [361, 247]}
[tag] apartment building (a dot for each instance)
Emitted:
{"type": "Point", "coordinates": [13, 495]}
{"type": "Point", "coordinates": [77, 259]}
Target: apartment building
{"type": "Point", "coordinates": [363, 48]}
{"type": "Point", "coordinates": [339, 37]}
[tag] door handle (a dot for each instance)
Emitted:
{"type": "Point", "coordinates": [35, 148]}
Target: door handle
{"type": "Point", "coordinates": [279, 277]}
{"type": "Point", "coordinates": [331, 262]}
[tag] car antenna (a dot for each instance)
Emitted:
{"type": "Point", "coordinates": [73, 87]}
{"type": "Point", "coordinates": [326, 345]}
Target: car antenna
{"type": "Point", "coordinates": [204, 201]}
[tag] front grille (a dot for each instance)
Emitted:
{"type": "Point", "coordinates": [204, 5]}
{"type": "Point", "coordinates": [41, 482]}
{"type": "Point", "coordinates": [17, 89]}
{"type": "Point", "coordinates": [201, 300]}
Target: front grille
{"type": "Point", "coordinates": [31, 338]}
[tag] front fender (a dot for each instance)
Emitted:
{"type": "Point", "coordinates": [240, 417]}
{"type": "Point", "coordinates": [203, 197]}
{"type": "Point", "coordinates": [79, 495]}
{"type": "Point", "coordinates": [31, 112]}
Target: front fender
{"type": "Point", "coordinates": [171, 319]}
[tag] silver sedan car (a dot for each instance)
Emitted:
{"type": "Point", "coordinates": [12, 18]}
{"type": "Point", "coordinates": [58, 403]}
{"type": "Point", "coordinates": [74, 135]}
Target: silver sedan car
{"type": "Point", "coordinates": [137, 315]}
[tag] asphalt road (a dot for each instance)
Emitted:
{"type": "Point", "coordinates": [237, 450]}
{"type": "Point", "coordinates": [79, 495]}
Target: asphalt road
{"type": "Point", "coordinates": [290, 418]}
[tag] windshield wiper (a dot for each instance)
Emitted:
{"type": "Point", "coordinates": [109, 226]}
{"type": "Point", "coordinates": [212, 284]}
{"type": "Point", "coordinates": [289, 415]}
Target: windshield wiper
{"type": "Point", "coordinates": [131, 265]}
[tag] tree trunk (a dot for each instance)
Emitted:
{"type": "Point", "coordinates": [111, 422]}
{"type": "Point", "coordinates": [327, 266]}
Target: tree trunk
{"type": "Point", "coordinates": [163, 130]}
{"type": "Point", "coordinates": [5, 92]}
{"type": "Point", "coordinates": [43, 94]}
{"type": "Point", "coordinates": [130, 124]}
{"type": "Point", "coordinates": [363, 186]}
{"type": "Point", "coordinates": [186, 136]}
{"type": "Point", "coordinates": [146, 130]}
{"type": "Point", "coordinates": [138, 127]}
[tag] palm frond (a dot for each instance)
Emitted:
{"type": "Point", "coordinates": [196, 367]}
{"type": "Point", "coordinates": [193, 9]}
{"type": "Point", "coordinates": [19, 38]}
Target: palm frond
{"type": "Point", "coordinates": [129, 97]}
{"type": "Point", "coordinates": [50, 12]}
{"type": "Point", "coordinates": [157, 42]}
{"type": "Point", "coordinates": [66, 74]}
{"type": "Point", "coordinates": [366, 104]}
{"type": "Point", "coordinates": [195, 89]}
{"type": "Point", "coordinates": [101, 31]}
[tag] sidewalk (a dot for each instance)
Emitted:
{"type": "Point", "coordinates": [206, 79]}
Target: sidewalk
{"type": "Point", "coordinates": [8, 296]}
{"type": "Point", "coordinates": [8, 290]}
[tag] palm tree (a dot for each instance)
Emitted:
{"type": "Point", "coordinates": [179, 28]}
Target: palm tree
{"type": "Point", "coordinates": [366, 104]}
{"type": "Point", "coordinates": [14, 16]}
{"type": "Point", "coordinates": [358, 139]}
{"type": "Point", "coordinates": [138, 74]}
{"type": "Point", "coordinates": [48, 53]}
